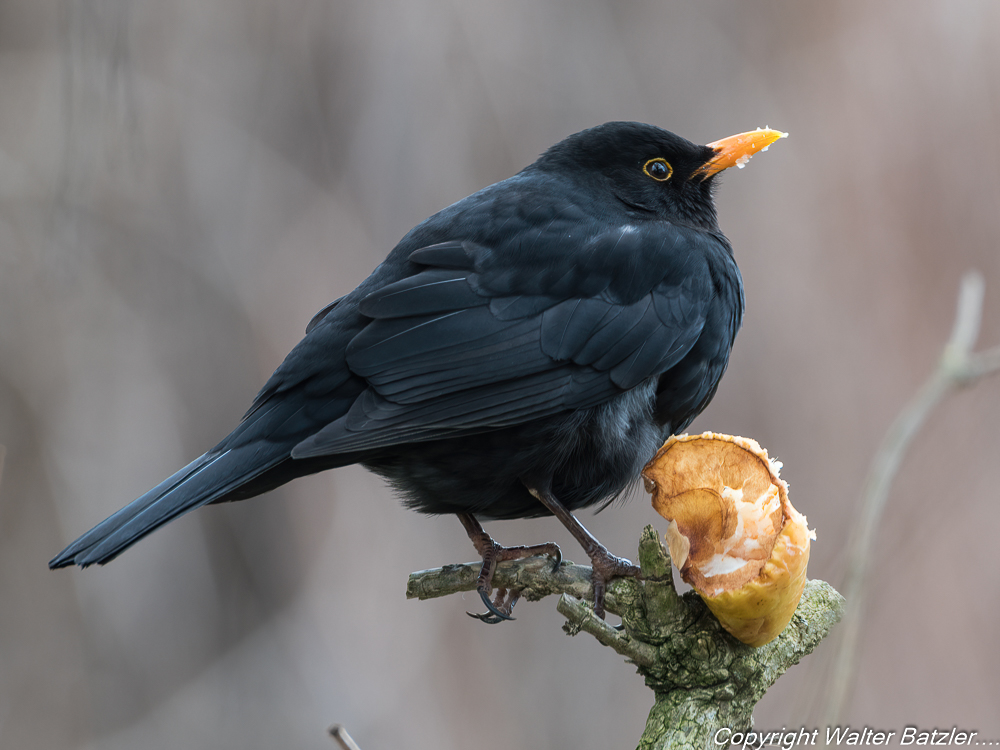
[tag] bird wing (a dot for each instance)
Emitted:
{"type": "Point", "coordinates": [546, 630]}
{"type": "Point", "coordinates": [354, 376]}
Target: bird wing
{"type": "Point", "coordinates": [482, 337]}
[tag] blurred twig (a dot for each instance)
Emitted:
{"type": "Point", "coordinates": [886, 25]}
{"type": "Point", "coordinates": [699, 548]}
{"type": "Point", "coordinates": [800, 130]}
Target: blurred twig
{"type": "Point", "coordinates": [957, 367]}
{"type": "Point", "coordinates": [342, 738]}
{"type": "Point", "coordinates": [703, 680]}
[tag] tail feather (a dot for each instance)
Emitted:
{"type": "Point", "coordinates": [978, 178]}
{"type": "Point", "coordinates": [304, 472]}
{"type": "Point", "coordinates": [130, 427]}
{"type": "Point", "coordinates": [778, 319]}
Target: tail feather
{"type": "Point", "coordinates": [205, 480]}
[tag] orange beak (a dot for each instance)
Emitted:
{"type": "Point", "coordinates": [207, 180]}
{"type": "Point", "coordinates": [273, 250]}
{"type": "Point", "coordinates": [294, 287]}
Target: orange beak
{"type": "Point", "coordinates": [736, 150]}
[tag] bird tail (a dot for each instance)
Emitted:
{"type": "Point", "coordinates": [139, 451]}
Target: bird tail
{"type": "Point", "coordinates": [205, 480]}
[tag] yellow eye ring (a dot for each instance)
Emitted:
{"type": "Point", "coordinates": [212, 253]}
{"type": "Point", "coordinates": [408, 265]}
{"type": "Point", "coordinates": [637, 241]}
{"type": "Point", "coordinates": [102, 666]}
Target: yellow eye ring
{"type": "Point", "coordinates": [659, 169]}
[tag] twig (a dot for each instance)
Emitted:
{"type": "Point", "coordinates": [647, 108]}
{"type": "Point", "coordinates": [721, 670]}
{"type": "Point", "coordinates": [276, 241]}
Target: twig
{"type": "Point", "coordinates": [342, 738]}
{"type": "Point", "coordinates": [581, 614]}
{"type": "Point", "coordinates": [957, 367]}
{"type": "Point", "coordinates": [534, 577]}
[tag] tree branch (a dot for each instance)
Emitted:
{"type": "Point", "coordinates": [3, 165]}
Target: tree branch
{"type": "Point", "coordinates": [957, 367]}
{"type": "Point", "coordinates": [702, 678]}
{"type": "Point", "coordinates": [534, 577]}
{"type": "Point", "coordinates": [342, 738]}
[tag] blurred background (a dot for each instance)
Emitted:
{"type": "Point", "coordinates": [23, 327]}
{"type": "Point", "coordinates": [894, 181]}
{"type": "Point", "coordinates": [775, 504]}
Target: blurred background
{"type": "Point", "coordinates": [184, 184]}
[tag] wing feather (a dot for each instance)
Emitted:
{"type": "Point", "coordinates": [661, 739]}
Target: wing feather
{"type": "Point", "coordinates": [466, 344]}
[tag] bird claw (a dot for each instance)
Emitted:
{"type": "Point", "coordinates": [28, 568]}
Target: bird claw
{"type": "Point", "coordinates": [503, 604]}
{"type": "Point", "coordinates": [606, 567]}
{"type": "Point", "coordinates": [557, 557]}
{"type": "Point", "coordinates": [499, 609]}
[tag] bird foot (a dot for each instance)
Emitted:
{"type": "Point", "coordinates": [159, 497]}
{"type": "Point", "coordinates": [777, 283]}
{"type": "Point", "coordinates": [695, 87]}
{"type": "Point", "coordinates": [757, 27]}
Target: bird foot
{"type": "Point", "coordinates": [492, 553]}
{"type": "Point", "coordinates": [607, 566]}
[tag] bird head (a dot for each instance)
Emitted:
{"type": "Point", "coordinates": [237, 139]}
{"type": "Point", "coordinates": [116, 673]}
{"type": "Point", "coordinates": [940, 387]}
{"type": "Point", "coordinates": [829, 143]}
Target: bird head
{"type": "Point", "coordinates": [651, 172]}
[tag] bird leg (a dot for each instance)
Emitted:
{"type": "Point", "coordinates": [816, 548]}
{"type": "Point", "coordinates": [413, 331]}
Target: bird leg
{"type": "Point", "coordinates": [606, 566]}
{"type": "Point", "coordinates": [501, 607]}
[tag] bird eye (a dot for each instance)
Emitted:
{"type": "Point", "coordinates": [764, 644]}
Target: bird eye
{"type": "Point", "coordinates": [659, 169]}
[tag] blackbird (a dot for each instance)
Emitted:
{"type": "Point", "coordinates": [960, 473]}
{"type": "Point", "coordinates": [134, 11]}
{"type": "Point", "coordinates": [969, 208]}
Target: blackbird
{"type": "Point", "coordinates": [523, 352]}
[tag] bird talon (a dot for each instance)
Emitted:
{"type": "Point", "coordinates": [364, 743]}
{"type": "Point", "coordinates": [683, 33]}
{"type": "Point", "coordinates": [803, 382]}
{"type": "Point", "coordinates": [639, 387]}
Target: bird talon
{"type": "Point", "coordinates": [606, 567]}
{"type": "Point", "coordinates": [500, 609]}
{"type": "Point", "coordinates": [502, 605]}
{"type": "Point", "coordinates": [488, 618]}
